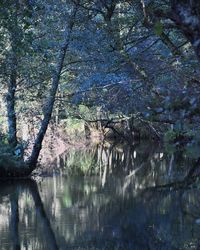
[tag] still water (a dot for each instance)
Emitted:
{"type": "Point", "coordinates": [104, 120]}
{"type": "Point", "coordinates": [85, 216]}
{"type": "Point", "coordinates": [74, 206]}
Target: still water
{"type": "Point", "coordinates": [102, 197]}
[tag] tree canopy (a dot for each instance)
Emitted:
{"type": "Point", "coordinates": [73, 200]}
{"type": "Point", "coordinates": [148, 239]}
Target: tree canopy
{"type": "Point", "coordinates": [100, 60]}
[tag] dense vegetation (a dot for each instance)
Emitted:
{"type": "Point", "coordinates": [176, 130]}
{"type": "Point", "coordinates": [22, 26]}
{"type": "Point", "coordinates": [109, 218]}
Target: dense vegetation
{"type": "Point", "coordinates": [131, 67]}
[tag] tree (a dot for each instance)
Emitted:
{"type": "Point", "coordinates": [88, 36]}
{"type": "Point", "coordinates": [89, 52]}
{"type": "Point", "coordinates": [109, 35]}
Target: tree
{"type": "Point", "coordinates": [11, 11]}
{"type": "Point", "coordinates": [186, 14]}
{"type": "Point", "coordinates": [125, 59]}
{"type": "Point", "coordinates": [53, 91]}
{"type": "Point", "coordinates": [71, 10]}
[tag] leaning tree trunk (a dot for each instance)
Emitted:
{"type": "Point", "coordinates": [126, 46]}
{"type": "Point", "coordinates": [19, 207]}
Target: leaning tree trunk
{"type": "Point", "coordinates": [50, 101]}
{"type": "Point", "coordinates": [48, 110]}
{"type": "Point", "coordinates": [186, 14]}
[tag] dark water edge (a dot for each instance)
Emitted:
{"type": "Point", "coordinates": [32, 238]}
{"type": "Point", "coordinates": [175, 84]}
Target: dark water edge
{"type": "Point", "coordinates": [105, 197]}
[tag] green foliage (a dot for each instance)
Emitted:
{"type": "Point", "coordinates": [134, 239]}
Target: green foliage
{"type": "Point", "coordinates": [114, 66]}
{"type": "Point", "coordinates": [74, 128]}
{"type": "Point", "coordinates": [80, 164]}
{"type": "Point", "coordinates": [193, 151]}
{"type": "Point", "coordinates": [7, 156]}
{"type": "Point", "coordinates": [171, 135]}
{"type": "Point", "coordinates": [158, 28]}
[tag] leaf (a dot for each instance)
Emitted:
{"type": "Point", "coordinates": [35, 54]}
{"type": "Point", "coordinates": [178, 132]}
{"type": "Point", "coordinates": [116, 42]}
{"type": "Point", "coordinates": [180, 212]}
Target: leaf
{"type": "Point", "coordinates": [193, 151]}
{"type": "Point", "coordinates": [158, 28]}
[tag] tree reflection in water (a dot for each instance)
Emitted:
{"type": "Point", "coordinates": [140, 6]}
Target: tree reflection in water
{"type": "Point", "coordinates": [118, 198]}
{"type": "Point", "coordinates": [30, 188]}
{"type": "Point", "coordinates": [14, 220]}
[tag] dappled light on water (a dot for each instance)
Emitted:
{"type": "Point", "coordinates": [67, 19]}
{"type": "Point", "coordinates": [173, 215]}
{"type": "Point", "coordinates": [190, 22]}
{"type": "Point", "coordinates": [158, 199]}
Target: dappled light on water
{"type": "Point", "coordinates": [104, 198]}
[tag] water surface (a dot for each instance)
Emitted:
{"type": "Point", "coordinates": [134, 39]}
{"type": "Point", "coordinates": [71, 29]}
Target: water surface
{"type": "Point", "coordinates": [99, 197]}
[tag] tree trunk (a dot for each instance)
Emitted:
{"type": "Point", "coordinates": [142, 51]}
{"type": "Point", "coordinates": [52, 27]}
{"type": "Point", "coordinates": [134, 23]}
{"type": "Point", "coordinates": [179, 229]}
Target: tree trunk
{"type": "Point", "coordinates": [51, 100]}
{"type": "Point", "coordinates": [12, 82]}
{"type": "Point", "coordinates": [186, 14]}
{"type": "Point", "coordinates": [10, 99]}
{"type": "Point", "coordinates": [48, 110]}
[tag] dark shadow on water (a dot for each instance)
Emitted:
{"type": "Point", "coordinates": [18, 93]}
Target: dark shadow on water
{"type": "Point", "coordinates": [26, 186]}
{"type": "Point", "coordinates": [14, 220]}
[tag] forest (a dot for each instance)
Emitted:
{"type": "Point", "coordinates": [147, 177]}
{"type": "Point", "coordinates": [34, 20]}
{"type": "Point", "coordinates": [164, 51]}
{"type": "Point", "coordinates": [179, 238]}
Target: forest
{"type": "Point", "coordinates": [122, 70]}
{"type": "Point", "coordinates": [100, 124]}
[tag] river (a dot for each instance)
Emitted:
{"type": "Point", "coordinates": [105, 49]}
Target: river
{"type": "Point", "coordinates": [104, 197]}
